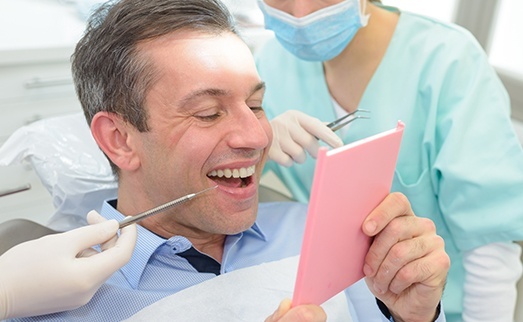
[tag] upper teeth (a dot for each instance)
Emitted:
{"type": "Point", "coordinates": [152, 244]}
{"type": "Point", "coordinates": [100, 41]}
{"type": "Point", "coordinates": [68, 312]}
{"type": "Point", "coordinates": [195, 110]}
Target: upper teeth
{"type": "Point", "coordinates": [234, 173]}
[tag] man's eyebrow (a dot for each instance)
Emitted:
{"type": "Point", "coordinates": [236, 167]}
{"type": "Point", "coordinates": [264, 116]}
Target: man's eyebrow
{"type": "Point", "coordinates": [203, 92]}
{"type": "Point", "coordinates": [259, 86]}
{"type": "Point", "coordinates": [216, 92]}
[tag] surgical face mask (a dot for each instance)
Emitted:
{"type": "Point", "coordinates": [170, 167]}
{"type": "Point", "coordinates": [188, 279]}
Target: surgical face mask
{"type": "Point", "coordinates": [319, 36]}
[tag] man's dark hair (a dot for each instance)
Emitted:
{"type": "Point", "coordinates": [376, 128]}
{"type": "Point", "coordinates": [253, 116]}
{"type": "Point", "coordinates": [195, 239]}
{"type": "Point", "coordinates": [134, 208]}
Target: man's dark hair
{"type": "Point", "coordinates": [110, 73]}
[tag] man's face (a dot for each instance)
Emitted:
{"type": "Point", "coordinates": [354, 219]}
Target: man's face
{"type": "Point", "coordinates": [206, 122]}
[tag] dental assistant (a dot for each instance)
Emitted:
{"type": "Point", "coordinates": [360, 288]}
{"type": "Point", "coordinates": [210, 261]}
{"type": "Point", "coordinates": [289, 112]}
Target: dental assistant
{"type": "Point", "coordinates": [460, 163]}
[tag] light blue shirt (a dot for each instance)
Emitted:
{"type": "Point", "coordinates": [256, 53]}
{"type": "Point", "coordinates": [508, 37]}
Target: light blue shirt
{"type": "Point", "coordinates": [155, 271]}
{"type": "Point", "coordinates": [460, 162]}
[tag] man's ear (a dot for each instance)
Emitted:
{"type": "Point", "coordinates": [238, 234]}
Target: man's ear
{"type": "Point", "coordinates": [115, 137]}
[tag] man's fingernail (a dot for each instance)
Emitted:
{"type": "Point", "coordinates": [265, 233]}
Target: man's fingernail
{"type": "Point", "coordinates": [370, 226]}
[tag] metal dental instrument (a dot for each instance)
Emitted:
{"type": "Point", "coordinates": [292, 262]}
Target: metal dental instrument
{"type": "Point", "coordinates": [136, 218]}
{"type": "Point", "coordinates": [335, 125]}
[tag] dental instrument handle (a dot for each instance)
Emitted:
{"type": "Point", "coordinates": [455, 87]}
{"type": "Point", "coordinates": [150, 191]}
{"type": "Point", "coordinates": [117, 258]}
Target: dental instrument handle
{"type": "Point", "coordinates": [131, 220]}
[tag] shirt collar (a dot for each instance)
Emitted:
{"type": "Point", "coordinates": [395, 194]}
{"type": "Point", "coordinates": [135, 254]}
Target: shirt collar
{"type": "Point", "coordinates": [257, 231]}
{"type": "Point", "coordinates": [147, 243]}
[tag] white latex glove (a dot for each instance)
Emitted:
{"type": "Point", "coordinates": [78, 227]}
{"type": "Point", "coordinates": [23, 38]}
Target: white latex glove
{"type": "Point", "coordinates": [491, 274]}
{"type": "Point", "coordinates": [61, 272]}
{"type": "Point", "coordinates": [294, 133]}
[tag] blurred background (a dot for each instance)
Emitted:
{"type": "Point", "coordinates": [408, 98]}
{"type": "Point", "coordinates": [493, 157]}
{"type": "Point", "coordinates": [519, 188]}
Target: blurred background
{"type": "Point", "coordinates": [496, 24]}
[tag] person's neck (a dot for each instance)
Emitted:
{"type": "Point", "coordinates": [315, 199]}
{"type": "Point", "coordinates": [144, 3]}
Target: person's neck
{"type": "Point", "coordinates": [207, 243]}
{"type": "Point", "coordinates": [163, 225]}
{"type": "Point", "coordinates": [349, 73]}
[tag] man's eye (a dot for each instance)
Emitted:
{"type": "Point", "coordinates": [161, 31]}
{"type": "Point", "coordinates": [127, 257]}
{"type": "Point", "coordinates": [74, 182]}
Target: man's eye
{"type": "Point", "coordinates": [257, 110]}
{"type": "Point", "coordinates": [208, 118]}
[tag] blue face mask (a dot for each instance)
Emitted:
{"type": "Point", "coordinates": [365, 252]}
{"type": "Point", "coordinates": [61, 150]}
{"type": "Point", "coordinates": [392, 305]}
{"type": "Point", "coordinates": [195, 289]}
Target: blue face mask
{"type": "Point", "coordinates": [319, 36]}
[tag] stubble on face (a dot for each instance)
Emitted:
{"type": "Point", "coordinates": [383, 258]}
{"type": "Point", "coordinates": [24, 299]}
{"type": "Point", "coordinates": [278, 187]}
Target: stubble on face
{"type": "Point", "coordinates": [189, 139]}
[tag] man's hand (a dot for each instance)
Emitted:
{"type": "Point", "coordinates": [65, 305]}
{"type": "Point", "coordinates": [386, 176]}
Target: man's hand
{"type": "Point", "coordinates": [295, 133]}
{"type": "Point", "coordinates": [406, 266]}
{"type": "Point", "coordinates": [301, 313]}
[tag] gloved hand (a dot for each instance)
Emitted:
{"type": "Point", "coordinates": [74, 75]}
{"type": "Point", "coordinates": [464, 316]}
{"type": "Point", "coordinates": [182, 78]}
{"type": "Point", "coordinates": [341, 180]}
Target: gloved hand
{"type": "Point", "coordinates": [294, 133]}
{"type": "Point", "coordinates": [61, 272]}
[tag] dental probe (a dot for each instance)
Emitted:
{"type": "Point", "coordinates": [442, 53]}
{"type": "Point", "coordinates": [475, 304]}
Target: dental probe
{"type": "Point", "coordinates": [136, 218]}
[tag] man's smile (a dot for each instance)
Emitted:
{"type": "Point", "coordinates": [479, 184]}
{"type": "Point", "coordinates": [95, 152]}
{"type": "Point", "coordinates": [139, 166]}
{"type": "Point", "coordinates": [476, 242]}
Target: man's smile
{"type": "Point", "coordinates": [237, 178]}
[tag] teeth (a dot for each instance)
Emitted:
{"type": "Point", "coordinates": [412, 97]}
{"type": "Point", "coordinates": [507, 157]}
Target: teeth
{"type": "Point", "coordinates": [234, 173]}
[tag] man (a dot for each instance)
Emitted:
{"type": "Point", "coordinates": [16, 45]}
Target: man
{"type": "Point", "coordinates": [174, 101]}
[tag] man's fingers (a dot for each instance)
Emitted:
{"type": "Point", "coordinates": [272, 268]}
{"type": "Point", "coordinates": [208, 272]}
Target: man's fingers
{"type": "Point", "coordinates": [283, 308]}
{"type": "Point", "coordinates": [392, 236]}
{"type": "Point", "coordinates": [390, 243]}
{"type": "Point", "coordinates": [423, 271]}
{"type": "Point", "coordinates": [400, 256]}
{"type": "Point", "coordinates": [393, 206]}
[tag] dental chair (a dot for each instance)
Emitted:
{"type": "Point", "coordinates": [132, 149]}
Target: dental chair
{"type": "Point", "coordinates": [16, 231]}
{"type": "Point", "coordinates": [74, 171]}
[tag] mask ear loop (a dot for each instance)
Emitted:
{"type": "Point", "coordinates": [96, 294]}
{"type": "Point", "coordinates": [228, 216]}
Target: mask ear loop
{"type": "Point", "coordinates": [364, 18]}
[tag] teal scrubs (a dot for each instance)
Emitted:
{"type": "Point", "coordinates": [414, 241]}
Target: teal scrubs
{"type": "Point", "coordinates": [460, 162]}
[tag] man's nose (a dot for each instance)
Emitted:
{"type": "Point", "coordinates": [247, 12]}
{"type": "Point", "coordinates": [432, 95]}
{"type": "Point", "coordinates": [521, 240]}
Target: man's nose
{"type": "Point", "coordinates": [247, 130]}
